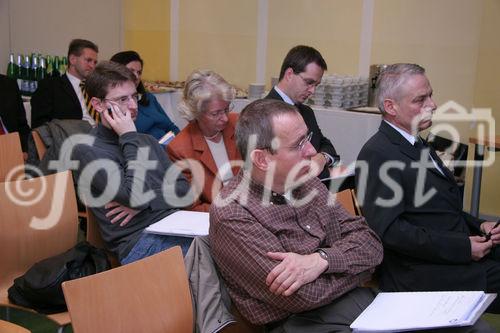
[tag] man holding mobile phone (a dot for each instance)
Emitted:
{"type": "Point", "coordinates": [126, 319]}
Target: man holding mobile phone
{"type": "Point", "coordinates": [135, 159]}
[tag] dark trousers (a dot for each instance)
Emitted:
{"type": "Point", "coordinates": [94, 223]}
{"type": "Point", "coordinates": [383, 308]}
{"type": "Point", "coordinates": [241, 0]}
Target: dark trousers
{"type": "Point", "coordinates": [492, 267]}
{"type": "Point", "coordinates": [334, 317]}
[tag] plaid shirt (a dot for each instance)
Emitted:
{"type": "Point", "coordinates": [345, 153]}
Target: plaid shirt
{"type": "Point", "coordinates": [241, 233]}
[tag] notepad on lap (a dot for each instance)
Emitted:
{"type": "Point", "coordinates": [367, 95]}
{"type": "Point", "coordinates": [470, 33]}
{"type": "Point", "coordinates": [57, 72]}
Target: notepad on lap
{"type": "Point", "coordinates": [181, 223]}
{"type": "Point", "coordinates": [405, 311]}
{"type": "Point", "coordinates": [165, 140]}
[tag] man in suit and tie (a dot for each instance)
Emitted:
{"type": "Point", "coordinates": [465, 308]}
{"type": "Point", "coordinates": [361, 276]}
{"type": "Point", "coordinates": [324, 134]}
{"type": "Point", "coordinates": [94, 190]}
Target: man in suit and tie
{"type": "Point", "coordinates": [12, 113]}
{"type": "Point", "coordinates": [413, 202]}
{"type": "Point", "coordinates": [300, 74]}
{"type": "Point", "coordinates": [63, 97]}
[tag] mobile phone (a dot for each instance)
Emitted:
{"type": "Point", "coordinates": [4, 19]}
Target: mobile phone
{"type": "Point", "coordinates": [110, 112]}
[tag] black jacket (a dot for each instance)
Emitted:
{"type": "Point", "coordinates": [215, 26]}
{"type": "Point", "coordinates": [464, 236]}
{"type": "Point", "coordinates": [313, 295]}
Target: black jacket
{"type": "Point", "coordinates": [426, 240]}
{"type": "Point", "coordinates": [12, 110]}
{"type": "Point", "coordinates": [318, 140]}
{"type": "Point", "coordinates": [55, 98]}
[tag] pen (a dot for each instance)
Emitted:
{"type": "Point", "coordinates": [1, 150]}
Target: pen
{"type": "Point", "coordinates": [488, 235]}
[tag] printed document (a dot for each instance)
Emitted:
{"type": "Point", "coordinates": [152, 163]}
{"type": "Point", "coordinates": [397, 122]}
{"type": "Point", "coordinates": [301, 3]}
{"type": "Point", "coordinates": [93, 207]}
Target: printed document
{"type": "Point", "coordinates": [182, 223]}
{"type": "Point", "coordinates": [404, 311]}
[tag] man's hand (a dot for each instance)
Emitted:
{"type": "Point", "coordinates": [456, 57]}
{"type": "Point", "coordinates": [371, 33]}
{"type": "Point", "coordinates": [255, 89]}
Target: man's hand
{"type": "Point", "coordinates": [489, 228]}
{"type": "Point", "coordinates": [479, 247]}
{"type": "Point", "coordinates": [120, 212]}
{"type": "Point", "coordinates": [294, 271]}
{"type": "Point", "coordinates": [120, 122]}
{"type": "Point", "coordinates": [320, 161]}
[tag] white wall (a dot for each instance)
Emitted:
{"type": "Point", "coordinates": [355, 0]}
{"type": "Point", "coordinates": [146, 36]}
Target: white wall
{"type": "Point", "coordinates": [47, 26]}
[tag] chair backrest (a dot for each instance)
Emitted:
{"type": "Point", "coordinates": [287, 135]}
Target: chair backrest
{"type": "Point", "coordinates": [40, 146]}
{"type": "Point", "coordinates": [94, 237]}
{"type": "Point", "coordinates": [11, 156]}
{"type": "Point", "coordinates": [38, 219]}
{"type": "Point", "coordinates": [8, 327]}
{"type": "Point", "coordinates": [348, 200]}
{"type": "Point", "coordinates": [148, 295]}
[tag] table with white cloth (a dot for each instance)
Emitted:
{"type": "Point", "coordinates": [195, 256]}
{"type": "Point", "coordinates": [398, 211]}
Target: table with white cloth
{"type": "Point", "coordinates": [347, 130]}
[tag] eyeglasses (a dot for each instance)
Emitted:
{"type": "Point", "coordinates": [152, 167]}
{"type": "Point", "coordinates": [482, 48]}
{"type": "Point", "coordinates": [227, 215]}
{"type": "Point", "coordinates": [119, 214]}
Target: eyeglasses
{"type": "Point", "coordinates": [300, 146]}
{"type": "Point", "coordinates": [123, 100]}
{"type": "Point", "coordinates": [217, 114]}
{"type": "Point", "coordinates": [309, 82]}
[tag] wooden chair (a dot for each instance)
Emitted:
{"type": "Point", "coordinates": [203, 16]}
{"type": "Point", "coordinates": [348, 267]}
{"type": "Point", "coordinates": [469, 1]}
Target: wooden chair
{"type": "Point", "coordinates": [94, 237]}
{"type": "Point", "coordinates": [11, 156]}
{"type": "Point", "coordinates": [34, 230]}
{"type": "Point", "coordinates": [148, 295]}
{"type": "Point", "coordinates": [349, 201]}
{"type": "Point", "coordinates": [8, 327]}
{"type": "Point", "coordinates": [40, 146]}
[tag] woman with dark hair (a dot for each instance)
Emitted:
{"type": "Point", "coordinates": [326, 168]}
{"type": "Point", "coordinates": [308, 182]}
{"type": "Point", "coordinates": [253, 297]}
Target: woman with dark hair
{"type": "Point", "coordinates": [151, 118]}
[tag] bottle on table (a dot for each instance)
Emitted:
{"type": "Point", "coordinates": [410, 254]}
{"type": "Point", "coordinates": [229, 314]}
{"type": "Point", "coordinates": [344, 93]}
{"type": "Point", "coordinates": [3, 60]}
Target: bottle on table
{"type": "Point", "coordinates": [33, 73]}
{"type": "Point", "coordinates": [11, 68]}
{"type": "Point", "coordinates": [50, 66]}
{"type": "Point", "coordinates": [63, 66]}
{"type": "Point", "coordinates": [42, 70]}
{"type": "Point", "coordinates": [56, 67]}
{"type": "Point", "coordinates": [25, 76]}
{"type": "Point", "coordinates": [19, 68]}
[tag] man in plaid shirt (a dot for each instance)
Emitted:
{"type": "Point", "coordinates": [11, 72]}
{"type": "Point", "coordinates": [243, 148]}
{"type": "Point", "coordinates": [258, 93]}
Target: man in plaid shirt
{"type": "Point", "coordinates": [291, 257]}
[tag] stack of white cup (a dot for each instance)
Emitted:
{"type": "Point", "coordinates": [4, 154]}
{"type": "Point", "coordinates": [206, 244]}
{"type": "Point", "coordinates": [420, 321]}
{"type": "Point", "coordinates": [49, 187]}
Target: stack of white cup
{"type": "Point", "coordinates": [256, 90]}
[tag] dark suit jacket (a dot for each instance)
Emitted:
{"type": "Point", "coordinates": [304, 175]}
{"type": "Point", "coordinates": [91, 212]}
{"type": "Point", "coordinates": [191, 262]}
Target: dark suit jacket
{"type": "Point", "coordinates": [190, 143]}
{"type": "Point", "coordinates": [426, 244]}
{"type": "Point", "coordinates": [12, 110]}
{"type": "Point", "coordinates": [55, 98]}
{"type": "Point", "coordinates": [318, 140]}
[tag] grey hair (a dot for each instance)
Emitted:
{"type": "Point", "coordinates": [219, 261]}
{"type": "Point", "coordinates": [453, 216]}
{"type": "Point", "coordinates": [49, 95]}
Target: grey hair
{"type": "Point", "coordinates": [392, 78]}
{"type": "Point", "coordinates": [256, 120]}
{"type": "Point", "coordinates": [201, 87]}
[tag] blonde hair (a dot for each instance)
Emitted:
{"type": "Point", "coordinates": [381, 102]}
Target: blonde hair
{"type": "Point", "coordinates": [201, 87]}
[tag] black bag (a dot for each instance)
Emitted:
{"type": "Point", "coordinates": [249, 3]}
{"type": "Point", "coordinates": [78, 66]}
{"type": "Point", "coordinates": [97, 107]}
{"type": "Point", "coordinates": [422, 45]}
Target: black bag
{"type": "Point", "coordinates": [40, 287]}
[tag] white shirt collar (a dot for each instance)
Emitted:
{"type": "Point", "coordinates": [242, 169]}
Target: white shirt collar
{"type": "Point", "coordinates": [75, 82]}
{"type": "Point", "coordinates": [285, 98]}
{"type": "Point", "coordinates": [411, 139]}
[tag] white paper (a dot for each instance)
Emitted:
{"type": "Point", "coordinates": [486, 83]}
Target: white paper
{"type": "Point", "coordinates": [182, 223]}
{"type": "Point", "coordinates": [422, 310]}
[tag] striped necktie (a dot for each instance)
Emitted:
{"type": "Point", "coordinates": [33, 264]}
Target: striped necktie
{"type": "Point", "coordinates": [92, 112]}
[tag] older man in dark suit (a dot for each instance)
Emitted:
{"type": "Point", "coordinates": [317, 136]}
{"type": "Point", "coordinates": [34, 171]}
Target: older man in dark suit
{"type": "Point", "coordinates": [413, 202]}
{"type": "Point", "coordinates": [62, 97]}
{"type": "Point", "coordinates": [300, 74]}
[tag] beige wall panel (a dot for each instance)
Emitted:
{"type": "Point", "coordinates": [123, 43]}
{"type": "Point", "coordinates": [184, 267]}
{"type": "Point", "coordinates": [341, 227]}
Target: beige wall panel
{"type": "Point", "coordinates": [487, 89]}
{"type": "Point", "coordinates": [47, 26]}
{"type": "Point", "coordinates": [332, 27]}
{"type": "Point", "coordinates": [442, 36]}
{"type": "Point", "coordinates": [487, 95]}
{"type": "Point", "coordinates": [147, 31]}
{"type": "Point", "coordinates": [4, 35]}
{"type": "Point", "coordinates": [218, 35]}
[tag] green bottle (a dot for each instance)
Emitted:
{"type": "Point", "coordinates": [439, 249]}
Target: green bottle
{"type": "Point", "coordinates": [56, 67]}
{"type": "Point", "coordinates": [42, 70]}
{"type": "Point", "coordinates": [11, 68]}
{"type": "Point", "coordinates": [63, 66]}
{"type": "Point", "coordinates": [50, 66]}
{"type": "Point", "coordinates": [19, 67]}
{"type": "Point", "coordinates": [34, 73]}
{"type": "Point", "coordinates": [25, 76]}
